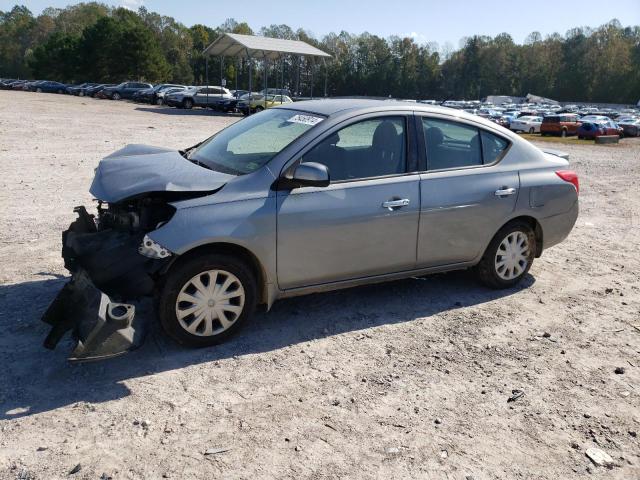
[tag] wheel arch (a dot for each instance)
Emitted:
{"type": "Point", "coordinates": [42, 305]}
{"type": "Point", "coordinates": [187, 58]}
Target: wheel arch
{"type": "Point", "coordinates": [535, 226]}
{"type": "Point", "coordinates": [236, 251]}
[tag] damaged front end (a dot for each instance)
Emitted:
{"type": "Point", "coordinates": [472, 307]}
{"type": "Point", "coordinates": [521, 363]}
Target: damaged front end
{"type": "Point", "coordinates": [112, 263]}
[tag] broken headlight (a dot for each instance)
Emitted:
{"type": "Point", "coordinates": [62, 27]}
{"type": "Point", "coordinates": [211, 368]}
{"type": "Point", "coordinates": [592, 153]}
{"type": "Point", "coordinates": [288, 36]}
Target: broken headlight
{"type": "Point", "coordinates": [152, 249]}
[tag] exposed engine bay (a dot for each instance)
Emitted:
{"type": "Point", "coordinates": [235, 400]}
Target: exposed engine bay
{"type": "Point", "coordinates": [108, 253]}
{"type": "Point", "coordinates": [112, 263]}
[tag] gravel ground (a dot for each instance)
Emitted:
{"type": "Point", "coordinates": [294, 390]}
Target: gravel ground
{"type": "Point", "coordinates": [403, 380]}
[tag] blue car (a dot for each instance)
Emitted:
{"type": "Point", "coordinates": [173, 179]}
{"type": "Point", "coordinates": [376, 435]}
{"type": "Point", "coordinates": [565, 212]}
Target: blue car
{"type": "Point", "coordinates": [48, 87]}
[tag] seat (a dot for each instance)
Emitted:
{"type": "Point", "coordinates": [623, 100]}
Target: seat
{"type": "Point", "coordinates": [436, 157]}
{"type": "Point", "coordinates": [386, 153]}
{"type": "Point", "coordinates": [329, 154]}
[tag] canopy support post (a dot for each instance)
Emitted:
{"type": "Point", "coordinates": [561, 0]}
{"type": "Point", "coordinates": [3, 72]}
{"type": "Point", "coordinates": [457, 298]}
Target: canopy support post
{"type": "Point", "coordinates": [312, 65]}
{"type": "Point", "coordinates": [326, 73]}
{"type": "Point", "coordinates": [265, 64]}
{"type": "Point", "coordinates": [281, 78]}
{"type": "Point", "coordinates": [250, 82]}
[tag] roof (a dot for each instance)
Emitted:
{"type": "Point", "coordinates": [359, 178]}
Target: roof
{"type": "Point", "coordinates": [236, 45]}
{"type": "Point", "coordinates": [330, 107]}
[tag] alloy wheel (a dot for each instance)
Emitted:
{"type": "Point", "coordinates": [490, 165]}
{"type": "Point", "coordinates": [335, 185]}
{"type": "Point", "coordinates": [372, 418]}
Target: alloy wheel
{"type": "Point", "coordinates": [210, 303]}
{"type": "Point", "coordinates": [512, 257]}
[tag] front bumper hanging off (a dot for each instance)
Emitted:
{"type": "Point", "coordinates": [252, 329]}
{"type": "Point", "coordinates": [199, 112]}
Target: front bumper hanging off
{"type": "Point", "coordinates": [102, 328]}
{"type": "Point", "coordinates": [105, 265]}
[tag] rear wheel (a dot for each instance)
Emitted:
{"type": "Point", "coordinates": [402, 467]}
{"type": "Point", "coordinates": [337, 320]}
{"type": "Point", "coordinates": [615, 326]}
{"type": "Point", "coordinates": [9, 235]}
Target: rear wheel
{"type": "Point", "coordinates": [259, 109]}
{"type": "Point", "coordinates": [158, 101]}
{"type": "Point", "coordinates": [38, 90]}
{"type": "Point", "coordinates": [532, 130]}
{"type": "Point", "coordinates": [206, 299]}
{"type": "Point", "coordinates": [563, 133]}
{"type": "Point", "coordinates": [187, 103]}
{"type": "Point", "coordinates": [508, 257]}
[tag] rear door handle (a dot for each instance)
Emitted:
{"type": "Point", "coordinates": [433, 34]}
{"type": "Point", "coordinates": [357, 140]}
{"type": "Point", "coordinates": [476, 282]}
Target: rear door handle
{"type": "Point", "coordinates": [505, 192]}
{"type": "Point", "coordinates": [393, 204]}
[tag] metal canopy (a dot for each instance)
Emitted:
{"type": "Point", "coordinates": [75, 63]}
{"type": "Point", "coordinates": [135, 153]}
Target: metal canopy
{"type": "Point", "coordinates": [251, 46]}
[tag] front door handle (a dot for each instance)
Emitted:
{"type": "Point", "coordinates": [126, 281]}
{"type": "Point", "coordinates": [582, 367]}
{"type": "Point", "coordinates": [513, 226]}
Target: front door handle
{"type": "Point", "coordinates": [505, 192]}
{"type": "Point", "coordinates": [393, 204]}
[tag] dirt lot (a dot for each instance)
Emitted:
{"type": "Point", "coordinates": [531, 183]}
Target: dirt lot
{"type": "Point", "coordinates": [403, 380]}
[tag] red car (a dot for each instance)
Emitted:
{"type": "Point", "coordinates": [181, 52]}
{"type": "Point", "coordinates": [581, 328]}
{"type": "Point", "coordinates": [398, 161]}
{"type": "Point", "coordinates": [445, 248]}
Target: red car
{"type": "Point", "coordinates": [591, 130]}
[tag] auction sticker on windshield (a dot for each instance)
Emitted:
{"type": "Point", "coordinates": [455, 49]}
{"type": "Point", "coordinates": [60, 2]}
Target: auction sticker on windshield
{"type": "Point", "coordinates": [305, 119]}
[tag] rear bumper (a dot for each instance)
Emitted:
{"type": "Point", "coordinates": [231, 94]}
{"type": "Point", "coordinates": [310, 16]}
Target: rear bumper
{"type": "Point", "coordinates": [557, 227]}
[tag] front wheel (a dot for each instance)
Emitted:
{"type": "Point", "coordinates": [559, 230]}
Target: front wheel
{"type": "Point", "coordinates": [508, 257]}
{"type": "Point", "coordinates": [116, 96]}
{"type": "Point", "coordinates": [188, 104]}
{"type": "Point", "coordinates": [259, 109]}
{"type": "Point", "coordinates": [158, 101]}
{"type": "Point", "coordinates": [206, 299]}
{"type": "Point", "coordinates": [532, 130]}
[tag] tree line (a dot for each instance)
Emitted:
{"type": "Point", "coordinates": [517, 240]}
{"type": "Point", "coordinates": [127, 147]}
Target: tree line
{"type": "Point", "coordinates": [95, 42]}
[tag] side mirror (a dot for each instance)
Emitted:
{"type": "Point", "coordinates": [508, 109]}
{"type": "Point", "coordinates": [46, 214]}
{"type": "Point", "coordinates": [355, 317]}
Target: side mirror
{"type": "Point", "coordinates": [309, 174]}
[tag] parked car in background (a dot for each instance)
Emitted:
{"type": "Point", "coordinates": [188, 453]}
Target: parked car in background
{"type": "Point", "coordinates": [205, 96]}
{"type": "Point", "coordinates": [124, 90]}
{"type": "Point", "coordinates": [630, 127]}
{"type": "Point", "coordinates": [276, 91]}
{"type": "Point", "coordinates": [593, 130]}
{"type": "Point", "coordinates": [527, 124]}
{"type": "Point", "coordinates": [256, 103]}
{"type": "Point", "coordinates": [7, 84]}
{"type": "Point", "coordinates": [308, 197]}
{"type": "Point", "coordinates": [76, 89]}
{"type": "Point", "coordinates": [48, 86]}
{"type": "Point", "coordinates": [563, 124]}
{"type": "Point", "coordinates": [150, 95]}
{"type": "Point", "coordinates": [595, 118]}
{"type": "Point", "coordinates": [162, 94]}
{"type": "Point", "coordinates": [94, 90]}
{"type": "Point", "coordinates": [239, 93]}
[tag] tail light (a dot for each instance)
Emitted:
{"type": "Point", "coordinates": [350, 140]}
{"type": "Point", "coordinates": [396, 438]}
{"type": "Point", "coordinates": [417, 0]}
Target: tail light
{"type": "Point", "coordinates": [571, 177]}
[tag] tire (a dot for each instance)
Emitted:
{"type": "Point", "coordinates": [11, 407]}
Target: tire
{"type": "Point", "coordinates": [38, 90]}
{"type": "Point", "coordinates": [580, 137]}
{"type": "Point", "coordinates": [158, 101]}
{"type": "Point", "coordinates": [259, 109]}
{"type": "Point", "coordinates": [187, 103]}
{"type": "Point", "coordinates": [492, 272]}
{"type": "Point", "coordinates": [116, 96]}
{"type": "Point", "coordinates": [563, 133]}
{"type": "Point", "coordinates": [179, 283]}
{"type": "Point", "coordinates": [59, 92]}
{"type": "Point", "coordinates": [532, 131]}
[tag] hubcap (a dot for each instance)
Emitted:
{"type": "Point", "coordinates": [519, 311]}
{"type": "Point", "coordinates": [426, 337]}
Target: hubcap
{"type": "Point", "coordinates": [512, 256]}
{"type": "Point", "coordinates": [210, 303]}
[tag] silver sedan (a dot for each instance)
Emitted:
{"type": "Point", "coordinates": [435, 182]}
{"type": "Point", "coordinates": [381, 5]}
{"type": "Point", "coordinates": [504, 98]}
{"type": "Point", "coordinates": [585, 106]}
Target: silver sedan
{"type": "Point", "coordinates": [308, 197]}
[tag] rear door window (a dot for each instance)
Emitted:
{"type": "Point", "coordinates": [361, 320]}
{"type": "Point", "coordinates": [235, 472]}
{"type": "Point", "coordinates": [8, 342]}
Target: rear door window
{"type": "Point", "coordinates": [451, 144]}
{"type": "Point", "coordinates": [493, 147]}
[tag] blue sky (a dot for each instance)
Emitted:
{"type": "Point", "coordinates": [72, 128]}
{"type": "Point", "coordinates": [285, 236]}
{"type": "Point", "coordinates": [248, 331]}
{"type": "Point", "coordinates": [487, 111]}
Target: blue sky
{"type": "Point", "coordinates": [425, 20]}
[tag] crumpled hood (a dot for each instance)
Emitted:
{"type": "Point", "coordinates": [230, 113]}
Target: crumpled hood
{"type": "Point", "coordinates": [137, 169]}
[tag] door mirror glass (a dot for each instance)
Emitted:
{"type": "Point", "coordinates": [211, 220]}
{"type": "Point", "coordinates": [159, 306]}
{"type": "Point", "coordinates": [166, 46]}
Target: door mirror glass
{"type": "Point", "coordinates": [311, 174]}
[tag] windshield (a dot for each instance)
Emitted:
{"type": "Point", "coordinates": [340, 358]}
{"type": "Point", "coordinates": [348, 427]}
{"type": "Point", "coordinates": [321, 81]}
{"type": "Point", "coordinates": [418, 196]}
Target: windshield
{"type": "Point", "coordinates": [249, 144]}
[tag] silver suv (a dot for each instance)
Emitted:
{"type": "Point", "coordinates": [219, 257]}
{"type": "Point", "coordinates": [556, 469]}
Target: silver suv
{"type": "Point", "coordinates": [307, 197]}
